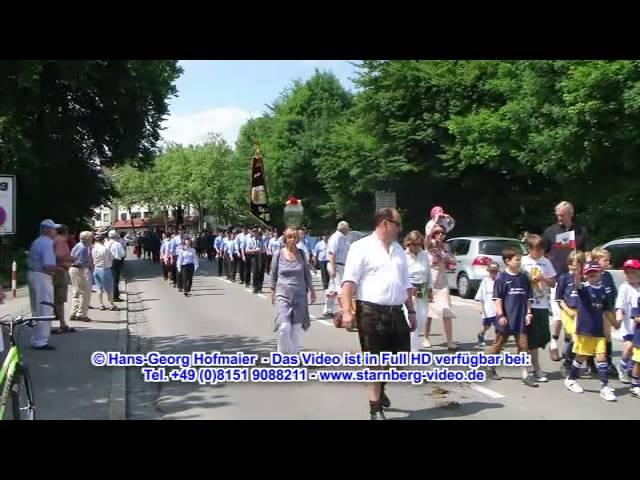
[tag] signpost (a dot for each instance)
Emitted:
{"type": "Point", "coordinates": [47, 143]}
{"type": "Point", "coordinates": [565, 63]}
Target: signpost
{"type": "Point", "coordinates": [385, 200]}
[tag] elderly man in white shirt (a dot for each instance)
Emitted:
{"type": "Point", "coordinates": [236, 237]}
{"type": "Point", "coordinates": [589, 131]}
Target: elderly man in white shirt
{"type": "Point", "coordinates": [337, 249]}
{"type": "Point", "coordinates": [377, 271]}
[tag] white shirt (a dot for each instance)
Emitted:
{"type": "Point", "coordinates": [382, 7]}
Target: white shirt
{"type": "Point", "coordinates": [381, 277]}
{"type": "Point", "coordinates": [485, 295]}
{"type": "Point", "coordinates": [626, 300]}
{"type": "Point", "coordinates": [419, 268]}
{"type": "Point", "coordinates": [448, 223]}
{"type": "Point", "coordinates": [101, 256]}
{"type": "Point", "coordinates": [339, 246]}
{"type": "Point", "coordinates": [123, 242]}
{"type": "Point", "coordinates": [541, 292]}
{"type": "Point", "coordinates": [117, 252]}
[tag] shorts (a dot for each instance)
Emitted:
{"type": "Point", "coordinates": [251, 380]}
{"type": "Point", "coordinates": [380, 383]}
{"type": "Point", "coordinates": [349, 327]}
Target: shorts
{"type": "Point", "coordinates": [569, 323]}
{"type": "Point", "coordinates": [628, 338]}
{"type": "Point", "coordinates": [103, 279]}
{"type": "Point", "coordinates": [60, 287]}
{"type": "Point", "coordinates": [382, 331]}
{"type": "Point", "coordinates": [589, 346]}
{"type": "Point", "coordinates": [538, 335]}
{"type": "Point", "coordinates": [636, 354]}
{"type": "Point", "coordinates": [489, 322]}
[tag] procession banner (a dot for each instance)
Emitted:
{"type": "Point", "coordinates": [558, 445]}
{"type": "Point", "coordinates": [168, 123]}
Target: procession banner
{"type": "Point", "coordinates": [259, 203]}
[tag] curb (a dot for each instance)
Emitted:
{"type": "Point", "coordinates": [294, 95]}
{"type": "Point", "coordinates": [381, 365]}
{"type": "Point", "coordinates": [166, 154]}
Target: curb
{"type": "Point", "coordinates": [118, 393]}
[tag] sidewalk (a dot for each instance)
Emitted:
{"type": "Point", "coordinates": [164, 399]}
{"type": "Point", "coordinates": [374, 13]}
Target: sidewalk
{"type": "Point", "coordinates": [66, 385]}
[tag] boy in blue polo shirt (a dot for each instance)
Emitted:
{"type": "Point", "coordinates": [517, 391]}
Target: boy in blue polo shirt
{"type": "Point", "coordinates": [513, 296]}
{"type": "Point", "coordinates": [595, 306]}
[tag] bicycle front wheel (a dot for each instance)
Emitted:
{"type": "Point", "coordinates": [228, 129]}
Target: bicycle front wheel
{"type": "Point", "coordinates": [21, 395]}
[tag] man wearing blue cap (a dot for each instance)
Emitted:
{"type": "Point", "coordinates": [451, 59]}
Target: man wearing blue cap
{"type": "Point", "coordinates": [42, 266]}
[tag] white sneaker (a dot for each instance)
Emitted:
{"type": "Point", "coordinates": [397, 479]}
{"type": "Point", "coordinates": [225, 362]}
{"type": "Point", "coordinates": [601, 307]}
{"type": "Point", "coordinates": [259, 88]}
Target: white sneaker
{"type": "Point", "coordinates": [540, 377]}
{"type": "Point", "coordinates": [608, 394]}
{"type": "Point", "coordinates": [635, 392]}
{"type": "Point", "coordinates": [573, 385]}
{"type": "Point", "coordinates": [623, 376]}
{"type": "Point", "coordinates": [426, 343]}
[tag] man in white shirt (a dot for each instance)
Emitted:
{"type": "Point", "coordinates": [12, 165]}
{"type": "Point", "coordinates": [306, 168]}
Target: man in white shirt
{"type": "Point", "coordinates": [118, 253]}
{"type": "Point", "coordinates": [337, 249]}
{"type": "Point", "coordinates": [376, 270]}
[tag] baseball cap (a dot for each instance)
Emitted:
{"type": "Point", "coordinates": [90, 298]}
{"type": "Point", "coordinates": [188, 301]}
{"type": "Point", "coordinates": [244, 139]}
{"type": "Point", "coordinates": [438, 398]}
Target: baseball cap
{"type": "Point", "coordinates": [592, 266]}
{"type": "Point", "coordinates": [493, 266]}
{"type": "Point", "coordinates": [48, 223]}
{"type": "Point", "coordinates": [631, 264]}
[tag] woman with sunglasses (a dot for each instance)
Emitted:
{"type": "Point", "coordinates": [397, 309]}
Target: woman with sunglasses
{"type": "Point", "coordinates": [420, 275]}
{"type": "Point", "coordinates": [441, 261]}
{"type": "Point", "coordinates": [290, 284]}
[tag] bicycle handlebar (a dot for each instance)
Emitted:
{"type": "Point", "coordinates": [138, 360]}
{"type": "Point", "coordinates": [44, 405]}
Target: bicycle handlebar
{"type": "Point", "coordinates": [20, 320]}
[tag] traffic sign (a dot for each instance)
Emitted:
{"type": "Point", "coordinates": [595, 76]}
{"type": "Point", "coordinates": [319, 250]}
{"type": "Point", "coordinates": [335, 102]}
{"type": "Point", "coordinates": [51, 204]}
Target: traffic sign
{"type": "Point", "coordinates": [385, 200]}
{"type": "Point", "coordinates": [8, 204]}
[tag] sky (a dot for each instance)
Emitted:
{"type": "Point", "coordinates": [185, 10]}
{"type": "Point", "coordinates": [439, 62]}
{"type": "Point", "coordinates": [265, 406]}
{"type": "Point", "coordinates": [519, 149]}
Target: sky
{"type": "Point", "coordinates": [221, 95]}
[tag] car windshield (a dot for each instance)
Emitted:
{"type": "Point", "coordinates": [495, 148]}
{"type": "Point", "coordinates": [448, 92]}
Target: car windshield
{"type": "Point", "coordinates": [495, 247]}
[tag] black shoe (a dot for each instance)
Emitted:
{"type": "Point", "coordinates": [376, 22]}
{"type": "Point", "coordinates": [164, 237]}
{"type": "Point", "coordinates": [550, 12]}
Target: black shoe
{"type": "Point", "coordinates": [45, 347]}
{"type": "Point", "coordinates": [494, 375]}
{"type": "Point", "coordinates": [186, 294]}
{"type": "Point", "coordinates": [530, 381]}
{"type": "Point", "coordinates": [384, 400]}
{"type": "Point", "coordinates": [118, 300]}
{"type": "Point", "coordinates": [378, 415]}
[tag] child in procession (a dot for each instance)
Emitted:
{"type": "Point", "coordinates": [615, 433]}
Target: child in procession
{"type": "Point", "coordinates": [635, 374]}
{"type": "Point", "coordinates": [567, 299]}
{"type": "Point", "coordinates": [603, 257]}
{"type": "Point", "coordinates": [594, 308]}
{"type": "Point", "coordinates": [626, 301]}
{"type": "Point", "coordinates": [542, 276]}
{"type": "Point", "coordinates": [513, 297]}
{"type": "Point", "coordinates": [484, 296]}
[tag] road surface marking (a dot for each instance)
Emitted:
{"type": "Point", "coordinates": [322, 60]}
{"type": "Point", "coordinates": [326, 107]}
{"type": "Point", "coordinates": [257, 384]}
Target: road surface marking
{"type": "Point", "coordinates": [224, 280]}
{"type": "Point", "coordinates": [263, 296]}
{"type": "Point", "coordinates": [488, 392]}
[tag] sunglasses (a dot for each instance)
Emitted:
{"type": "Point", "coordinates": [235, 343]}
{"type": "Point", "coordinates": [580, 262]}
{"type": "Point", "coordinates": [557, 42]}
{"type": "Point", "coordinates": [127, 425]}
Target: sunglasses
{"type": "Point", "coordinates": [439, 233]}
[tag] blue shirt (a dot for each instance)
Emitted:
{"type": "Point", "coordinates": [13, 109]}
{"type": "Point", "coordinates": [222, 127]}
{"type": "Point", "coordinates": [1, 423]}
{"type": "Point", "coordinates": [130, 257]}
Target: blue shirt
{"type": "Point", "coordinates": [41, 254]}
{"type": "Point", "coordinates": [187, 256]}
{"type": "Point", "coordinates": [219, 242]}
{"type": "Point", "coordinates": [516, 293]}
{"type": "Point", "coordinates": [253, 243]}
{"type": "Point", "coordinates": [175, 243]}
{"type": "Point", "coordinates": [164, 247]}
{"type": "Point", "coordinates": [609, 286]}
{"type": "Point", "coordinates": [275, 244]}
{"type": "Point", "coordinates": [320, 251]}
{"type": "Point", "coordinates": [304, 248]}
{"type": "Point", "coordinates": [310, 242]}
{"type": "Point", "coordinates": [80, 253]}
{"type": "Point", "coordinates": [566, 290]}
{"type": "Point", "coordinates": [593, 301]}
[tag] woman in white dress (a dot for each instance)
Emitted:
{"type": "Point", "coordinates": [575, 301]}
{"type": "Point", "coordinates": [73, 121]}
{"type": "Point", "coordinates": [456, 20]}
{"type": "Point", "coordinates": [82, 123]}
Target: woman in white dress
{"type": "Point", "coordinates": [441, 260]}
{"type": "Point", "coordinates": [420, 275]}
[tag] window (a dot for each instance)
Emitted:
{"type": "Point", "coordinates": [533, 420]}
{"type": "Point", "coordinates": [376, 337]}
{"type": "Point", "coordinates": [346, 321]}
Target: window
{"type": "Point", "coordinates": [106, 217]}
{"type": "Point", "coordinates": [136, 215]}
{"type": "Point", "coordinates": [620, 252]}
{"type": "Point", "coordinates": [98, 217]}
{"type": "Point", "coordinates": [495, 247]}
{"type": "Point", "coordinates": [461, 247]}
{"type": "Point", "coordinates": [123, 217]}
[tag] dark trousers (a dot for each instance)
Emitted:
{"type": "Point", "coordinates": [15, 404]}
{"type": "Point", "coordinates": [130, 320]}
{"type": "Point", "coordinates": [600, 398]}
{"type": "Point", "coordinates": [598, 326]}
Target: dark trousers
{"type": "Point", "coordinates": [155, 254]}
{"type": "Point", "coordinates": [175, 277]}
{"type": "Point", "coordinates": [257, 270]}
{"type": "Point", "coordinates": [187, 277]}
{"type": "Point", "coordinates": [247, 270]}
{"type": "Point", "coordinates": [221, 262]}
{"type": "Point", "coordinates": [325, 274]}
{"type": "Point", "coordinates": [116, 269]}
{"type": "Point", "coordinates": [267, 263]}
{"type": "Point", "coordinates": [238, 267]}
{"type": "Point", "coordinates": [166, 270]}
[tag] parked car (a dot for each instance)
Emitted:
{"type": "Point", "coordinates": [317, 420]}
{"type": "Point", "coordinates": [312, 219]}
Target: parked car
{"type": "Point", "coordinates": [473, 255]}
{"type": "Point", "coordinates": [622, 249]}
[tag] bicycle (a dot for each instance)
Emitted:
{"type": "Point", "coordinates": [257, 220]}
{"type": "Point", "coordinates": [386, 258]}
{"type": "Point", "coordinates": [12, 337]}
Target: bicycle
{"type": "Point", "coordinates": [15, 379]}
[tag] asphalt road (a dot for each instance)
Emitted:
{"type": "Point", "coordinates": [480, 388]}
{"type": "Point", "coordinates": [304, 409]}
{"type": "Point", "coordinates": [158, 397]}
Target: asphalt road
{"type": "Point", "coordinates": [225, 317]}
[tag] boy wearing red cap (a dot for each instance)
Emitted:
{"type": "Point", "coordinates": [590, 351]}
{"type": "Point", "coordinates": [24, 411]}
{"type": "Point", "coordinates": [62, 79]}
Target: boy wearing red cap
{"type": "Point", "coordinates": [626, 301]}
{"type": "Point", "coordinates": [594, 308]}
